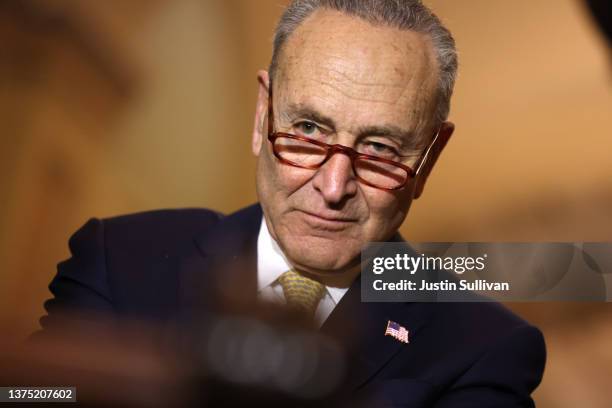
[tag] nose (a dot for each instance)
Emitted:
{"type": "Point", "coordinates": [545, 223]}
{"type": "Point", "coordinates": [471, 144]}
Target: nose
{"type": "Point", "coordinates": [335, 180]}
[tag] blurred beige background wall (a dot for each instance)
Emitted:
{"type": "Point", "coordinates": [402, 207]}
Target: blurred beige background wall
{"type": "Point", "coordinates": [128, 105]}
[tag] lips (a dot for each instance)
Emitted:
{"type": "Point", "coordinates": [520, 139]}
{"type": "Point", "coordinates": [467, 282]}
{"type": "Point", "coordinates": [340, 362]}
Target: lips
{"type": "Point", "coordinates": [326, 218]}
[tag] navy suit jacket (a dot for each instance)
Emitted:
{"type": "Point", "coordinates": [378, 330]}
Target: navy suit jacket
{"type": "Point", "coordinates": [156, 265]}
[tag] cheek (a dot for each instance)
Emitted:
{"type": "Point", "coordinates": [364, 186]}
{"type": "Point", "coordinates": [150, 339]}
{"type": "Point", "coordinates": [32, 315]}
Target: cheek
{"type": "Point", "coordinates": [278, 179]}
{"type": "Point", "coordinates": [387, 209]}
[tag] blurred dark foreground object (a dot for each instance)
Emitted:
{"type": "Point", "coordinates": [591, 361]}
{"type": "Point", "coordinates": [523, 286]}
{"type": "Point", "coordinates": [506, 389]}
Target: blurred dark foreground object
{"type": "Point", "coordinates": [231, 361]}
{"type": "Point", "coordinates": [602, 12]}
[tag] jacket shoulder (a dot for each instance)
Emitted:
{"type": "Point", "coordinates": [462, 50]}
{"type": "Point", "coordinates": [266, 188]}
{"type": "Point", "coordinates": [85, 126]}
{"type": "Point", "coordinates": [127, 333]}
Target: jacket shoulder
{"type": "Point", "coordinates": [500, 356]}
{"type": "Point", "coordinates": [476, 322]}
{"type": "Point", "coordinates": [167, 230]}
{"type": "Point", "coordinates": [112, 257]}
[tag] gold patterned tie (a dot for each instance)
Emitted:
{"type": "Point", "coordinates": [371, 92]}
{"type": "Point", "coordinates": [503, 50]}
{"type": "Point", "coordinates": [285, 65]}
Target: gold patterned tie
{"type": "Point", "coordinates": [301, 293]}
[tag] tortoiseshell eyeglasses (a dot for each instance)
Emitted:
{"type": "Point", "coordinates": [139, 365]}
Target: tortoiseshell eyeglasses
{"type": "Point", "coordinates": [306, 153]}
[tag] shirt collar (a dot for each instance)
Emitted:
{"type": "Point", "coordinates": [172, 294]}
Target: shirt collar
{"type": "Point", "coordinates": [271, 263]}
{"type": "Point", "coordinates": [336, 293]}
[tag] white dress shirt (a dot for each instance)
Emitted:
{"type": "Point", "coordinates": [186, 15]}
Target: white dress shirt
{"type": "Point", "coordinates": [271, 263]}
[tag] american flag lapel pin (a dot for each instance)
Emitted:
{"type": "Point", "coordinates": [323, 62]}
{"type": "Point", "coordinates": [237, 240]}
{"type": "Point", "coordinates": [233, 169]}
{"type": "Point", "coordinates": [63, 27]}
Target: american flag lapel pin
{"type": "Point", "coordinates": [396, 331]}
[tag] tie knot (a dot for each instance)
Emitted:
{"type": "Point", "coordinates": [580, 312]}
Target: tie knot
{"type": "Point", "coordinates": [301, 292]}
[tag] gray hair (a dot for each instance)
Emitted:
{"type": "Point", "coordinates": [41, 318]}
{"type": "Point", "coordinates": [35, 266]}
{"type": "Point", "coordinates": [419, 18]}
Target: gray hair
{"type": "Point", "coordinates": [401, 14]}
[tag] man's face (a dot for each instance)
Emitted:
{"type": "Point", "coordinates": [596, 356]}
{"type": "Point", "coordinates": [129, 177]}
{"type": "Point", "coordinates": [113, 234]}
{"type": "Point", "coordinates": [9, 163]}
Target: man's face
{"type": "Point", "coordinates": [342, 80]}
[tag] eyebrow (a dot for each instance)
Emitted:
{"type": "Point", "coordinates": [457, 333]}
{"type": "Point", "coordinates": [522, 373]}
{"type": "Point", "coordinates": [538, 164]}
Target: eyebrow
{"type": "Point", "coordinates": [306, 112]}
{"type": "Point", "coordinates": [402, 137]}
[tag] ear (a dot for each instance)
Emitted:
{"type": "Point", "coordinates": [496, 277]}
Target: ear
{"type": "Point", "coordinates": [261, 112]}
{"type": "Point", "coordinates": [446, 131]}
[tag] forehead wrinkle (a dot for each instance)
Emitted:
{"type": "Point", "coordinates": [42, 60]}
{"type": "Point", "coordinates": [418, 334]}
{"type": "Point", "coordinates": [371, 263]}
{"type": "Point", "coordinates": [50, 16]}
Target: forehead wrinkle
{"type": "Point", "coordinates": [372, 90]}
{"type": "Point", "coordinates": [339, 69]}
{"type": "Point", "coordinates": [346, 80]}
{"type": "Point", "coordinates": [362, 96]}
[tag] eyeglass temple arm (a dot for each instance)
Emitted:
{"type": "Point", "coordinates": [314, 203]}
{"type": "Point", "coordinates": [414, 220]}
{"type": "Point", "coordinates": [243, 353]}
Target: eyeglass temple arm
{"type": "Point", "coordinates": [426, 154]}
{"type": "Point", "coordinates": [270, 107]}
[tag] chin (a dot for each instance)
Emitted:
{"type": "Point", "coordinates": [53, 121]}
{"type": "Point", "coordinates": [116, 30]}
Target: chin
{"type": "Point", "coordinates": [319, 255]}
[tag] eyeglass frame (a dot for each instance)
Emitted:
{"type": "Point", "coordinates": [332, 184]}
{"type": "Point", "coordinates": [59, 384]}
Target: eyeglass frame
{"type": "Point", "coordinates": [353, 154]}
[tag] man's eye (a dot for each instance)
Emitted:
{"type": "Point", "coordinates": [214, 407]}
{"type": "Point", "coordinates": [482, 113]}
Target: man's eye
{"type": "Point", "coordinates": [380, 149]}
{"type": "Point", "coordinates": [306, 128]}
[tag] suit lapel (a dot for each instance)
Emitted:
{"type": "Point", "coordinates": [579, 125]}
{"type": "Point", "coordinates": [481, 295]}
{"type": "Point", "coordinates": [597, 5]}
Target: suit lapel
{"type": "Point", "coordinates": [360, 328]}
{"type": "Point", "coordinates": [222, 268]}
